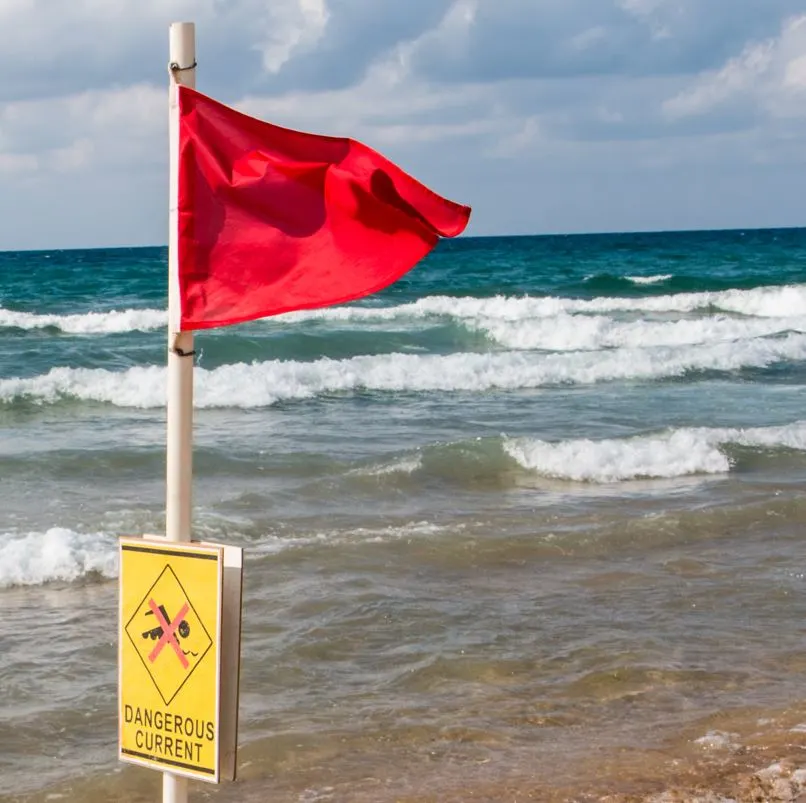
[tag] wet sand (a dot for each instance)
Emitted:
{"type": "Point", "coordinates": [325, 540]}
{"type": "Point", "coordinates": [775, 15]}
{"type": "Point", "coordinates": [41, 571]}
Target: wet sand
{"type": "Point", "coordinates": [744, 756]}
{"type": "Point", "coordinates": [737, 757]}
{"type": "Point", "coordinates": [753, 760]}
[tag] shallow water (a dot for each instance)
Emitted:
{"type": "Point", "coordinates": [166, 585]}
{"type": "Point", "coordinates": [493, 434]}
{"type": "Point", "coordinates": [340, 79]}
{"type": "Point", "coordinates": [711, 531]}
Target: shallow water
{"type": "Point", "coordinates": [441, 651]}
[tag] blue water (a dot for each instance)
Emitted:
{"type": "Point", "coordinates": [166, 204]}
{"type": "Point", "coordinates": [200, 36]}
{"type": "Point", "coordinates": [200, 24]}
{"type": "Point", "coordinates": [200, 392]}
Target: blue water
{"type": "Point", "coordinates": [515, 410]}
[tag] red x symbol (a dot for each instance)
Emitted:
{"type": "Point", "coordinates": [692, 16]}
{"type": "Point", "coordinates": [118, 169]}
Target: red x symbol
{"type": "Point", "coordinates": [168, 631]}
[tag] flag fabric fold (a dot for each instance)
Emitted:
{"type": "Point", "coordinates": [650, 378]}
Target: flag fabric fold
{"type": "Point", "coordinates": [273, 220]}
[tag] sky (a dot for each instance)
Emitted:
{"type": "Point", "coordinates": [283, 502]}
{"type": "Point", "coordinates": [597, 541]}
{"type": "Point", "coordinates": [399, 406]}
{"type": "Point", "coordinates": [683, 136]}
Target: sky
{"type": "Point", "coordinates": [545, 116]}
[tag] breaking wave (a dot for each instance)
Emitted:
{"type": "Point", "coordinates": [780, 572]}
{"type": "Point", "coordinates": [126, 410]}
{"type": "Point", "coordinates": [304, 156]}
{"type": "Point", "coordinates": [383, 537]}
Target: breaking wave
{"type": "Point", "coordinates": [675, 453]}
{"type": "Point", "coordinates": [90, 323]}
{"type": "Point", "coordinates": [57, 554]}
{"type": "Point", "coordinates": [664, 277]}
{"type": "Point", "coordinates": [772, 302]}
{"type": "Point", "coordinates": [787, 301]}
{"type": "Point", "coordinates": [566, 332]}
{"type": "Point", "coordinates": [262, 384]}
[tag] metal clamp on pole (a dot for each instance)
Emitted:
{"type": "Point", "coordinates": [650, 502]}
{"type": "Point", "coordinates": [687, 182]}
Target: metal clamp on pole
{"type": "Point", "coordinates": [174, 66]}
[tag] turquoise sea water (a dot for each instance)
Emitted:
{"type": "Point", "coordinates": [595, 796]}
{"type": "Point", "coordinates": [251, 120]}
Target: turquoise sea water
{"type": "Point", "coordinates": [537, 486]}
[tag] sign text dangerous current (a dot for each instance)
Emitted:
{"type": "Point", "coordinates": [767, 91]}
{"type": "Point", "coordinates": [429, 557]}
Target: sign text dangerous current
{"type": "Point", "coordinates": [172, 736]}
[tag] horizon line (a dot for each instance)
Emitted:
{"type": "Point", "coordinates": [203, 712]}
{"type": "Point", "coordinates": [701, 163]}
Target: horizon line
{"type": "Point", "coordinates": [603, 233]}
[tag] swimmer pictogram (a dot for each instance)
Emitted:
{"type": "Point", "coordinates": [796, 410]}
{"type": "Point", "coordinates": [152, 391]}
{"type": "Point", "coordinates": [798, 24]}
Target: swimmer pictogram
{"type": "Point", "coordinates": [168, 634]}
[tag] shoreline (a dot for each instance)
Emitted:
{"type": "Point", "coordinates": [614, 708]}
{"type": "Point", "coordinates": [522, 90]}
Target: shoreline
{"type": "Point", "coordinates": [720, 767]}
{"type": "Point", "coordinates": [746, 756]}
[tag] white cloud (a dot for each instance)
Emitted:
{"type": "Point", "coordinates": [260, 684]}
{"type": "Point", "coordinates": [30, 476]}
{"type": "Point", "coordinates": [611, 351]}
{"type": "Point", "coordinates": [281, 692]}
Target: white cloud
{"type": "Point", "coordinates": [291, 28]}
{"type": "Point", "coordinates": [75, 156]}
{"type": "Point", "coordinates": [659, 15]}
{"type": "Point", "coordinates": [737, 77]}
{"type": "Point", "coordinates": [18, 162]}
{"type": "Point", "coordinates": [522, 140]}
{"type": "Point", "coordinates": [767, 78]}
{"type": "Point", "coordinates": [388, 96]}
{"type": "Point", "coordinates": [93, 130]}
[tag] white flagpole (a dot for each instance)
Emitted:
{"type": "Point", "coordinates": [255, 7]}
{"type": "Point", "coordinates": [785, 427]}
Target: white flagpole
{"type": "Point", "coordinates": [179, 451]}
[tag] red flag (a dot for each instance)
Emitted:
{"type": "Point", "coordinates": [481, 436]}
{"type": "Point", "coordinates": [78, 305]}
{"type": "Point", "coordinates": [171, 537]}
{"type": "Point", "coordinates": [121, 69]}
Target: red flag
{"type": "Point", "coordinates": [273, 220]}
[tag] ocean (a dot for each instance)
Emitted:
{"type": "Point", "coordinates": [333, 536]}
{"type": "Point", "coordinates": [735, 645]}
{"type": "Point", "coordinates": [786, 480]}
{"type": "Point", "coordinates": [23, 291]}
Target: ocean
{"type": "Point", "coordinates": [527, 525]}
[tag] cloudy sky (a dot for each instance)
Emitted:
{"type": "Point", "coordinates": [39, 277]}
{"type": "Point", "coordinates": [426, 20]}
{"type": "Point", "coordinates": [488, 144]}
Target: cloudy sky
{"type": "Point", "coordinates": [543, 115]}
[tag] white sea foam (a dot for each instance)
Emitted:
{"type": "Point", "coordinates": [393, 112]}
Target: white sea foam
{"type": "Point", "coordinates": [272, 544]}
{"type": "Point", "coordinates": [718, 740]}
{"type": "Point", "coordinates": [114, 321]}
{"type": "Point", "coordinates": [413, 529]}
{"type": "Point", "coordinates": [57, 554]}
{"type": "Point", "coordinates": [674, 453]}
{"type": "Point", "coordinates": [141, 386]}
{"type": "Point", "coordinates": [664, 277]}
{"type": "Point", "coordinates": [392, 532]}
{"type": "Point", "coordinates": [403, 465]}
{"type": "Point", "coordinates": [512, 323]}
{"type": "Point", "coordinates": [566, 324]}
{"type": "Point", "coordinates": [773, 302]}
{"type": "Point", "coordinates": [262, 384]}
{"type": "Point", "coordinates": [566, 332]}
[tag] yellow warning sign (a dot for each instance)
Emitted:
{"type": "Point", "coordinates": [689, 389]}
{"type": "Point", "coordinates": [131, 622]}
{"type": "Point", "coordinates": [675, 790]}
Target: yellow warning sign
{"type": "Point", "coordinates": [170, 657]}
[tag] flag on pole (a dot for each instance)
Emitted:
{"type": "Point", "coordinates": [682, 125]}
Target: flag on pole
{"type": "Point", "coordinates": [273, 220]}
